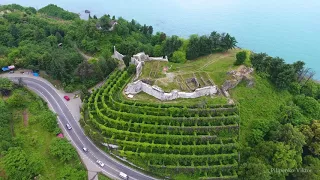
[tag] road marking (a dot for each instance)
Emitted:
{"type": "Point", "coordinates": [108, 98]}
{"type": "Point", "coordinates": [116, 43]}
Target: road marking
{"type": "Point", "coordinates": [103, 153]}
{"type": "Point", "coordinates": [69, 134]}
{"type": "Point", "coordinates": [69, 122]}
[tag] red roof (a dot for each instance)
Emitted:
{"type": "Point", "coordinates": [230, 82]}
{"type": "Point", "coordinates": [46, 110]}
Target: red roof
{"type": "Point", "coordinates": [60, 135]}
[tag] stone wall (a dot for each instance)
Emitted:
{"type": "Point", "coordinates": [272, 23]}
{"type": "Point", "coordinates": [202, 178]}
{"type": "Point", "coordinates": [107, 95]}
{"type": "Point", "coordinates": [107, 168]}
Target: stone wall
{"type": "Point", "coordinates": [117, 55]}
{"type": "Point", "coordinates": [140, 58]}
{"type": "Point", "coordinates": [157, 92]}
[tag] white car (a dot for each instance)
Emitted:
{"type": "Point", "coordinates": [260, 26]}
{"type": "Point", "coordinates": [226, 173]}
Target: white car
{"type": "Point", "coordinates": [100, 163]}
{"type": "Point", "coordinates": [85, 149]}
{"type": "Point", "coordinates": [68, 126]}
{"type": "Point", "coordinates": [123, 176]}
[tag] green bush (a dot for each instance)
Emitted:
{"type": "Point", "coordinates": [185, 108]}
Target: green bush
{"type": "Point", "coordinates": [178, 57]}
{"type": "Point", "coordinates": [132, 69]}
{"type": "Point", "coordinates": [241, 57]}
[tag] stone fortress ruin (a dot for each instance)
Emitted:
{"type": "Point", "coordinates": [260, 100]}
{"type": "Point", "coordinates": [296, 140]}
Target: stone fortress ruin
{"type": "Point", "coordinates": [157, 92]}
{"type": "Point", "coordinates": [140, 86]}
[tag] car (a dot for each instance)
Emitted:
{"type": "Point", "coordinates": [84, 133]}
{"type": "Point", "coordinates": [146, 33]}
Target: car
{"type": "Point", "coordinates": [123, 176]}
{"type": "Point", "coordinates": [68, 126]}
{"type": "Point", "coordinates": [85, 149]}
{"type": "Point", "coordinates": [66, 98]}
{"type": "Point", "coordinates": [100, 163]}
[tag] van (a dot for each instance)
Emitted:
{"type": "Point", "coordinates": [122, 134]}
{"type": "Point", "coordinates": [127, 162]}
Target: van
{"type": "Point", "coordinates": [123, 176]}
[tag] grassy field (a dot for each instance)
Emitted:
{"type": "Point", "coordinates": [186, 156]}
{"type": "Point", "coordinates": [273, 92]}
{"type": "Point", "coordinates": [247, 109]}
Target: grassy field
{"type": "Point", "coordinates": [213, 67]}
{"type": "Point", "coordinates": [36, 140]}
{"type": "Point", "coordinates": [261, 102]}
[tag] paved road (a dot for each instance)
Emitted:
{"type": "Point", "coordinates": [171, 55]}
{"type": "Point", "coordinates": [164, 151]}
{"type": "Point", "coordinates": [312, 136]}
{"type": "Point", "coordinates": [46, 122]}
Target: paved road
{"type": "Point", "coordinates": [112, 167]}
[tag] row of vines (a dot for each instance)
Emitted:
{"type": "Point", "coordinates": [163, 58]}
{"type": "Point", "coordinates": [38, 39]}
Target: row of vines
{"type": "Point", "coordinates": [164, 139]}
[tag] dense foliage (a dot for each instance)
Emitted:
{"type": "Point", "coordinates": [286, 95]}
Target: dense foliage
{"type": "Point", "coordinates": [55, 11]}
{"type": "Point", "coordinates": [204, 45]}
{"type": "Point", "coordinates": [283, 145]}
{"type": "Point", "coordinates": [54, 40]}
{"type": "Point", "coordinates": [29, 148]}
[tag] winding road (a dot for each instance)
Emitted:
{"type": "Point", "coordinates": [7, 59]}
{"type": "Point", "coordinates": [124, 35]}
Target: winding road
{"type": "Point", "coordinates": [79, 140]}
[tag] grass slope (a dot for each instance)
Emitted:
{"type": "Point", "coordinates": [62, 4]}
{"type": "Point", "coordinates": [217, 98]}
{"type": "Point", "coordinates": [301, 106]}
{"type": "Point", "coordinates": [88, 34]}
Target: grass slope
{"type": "Point", "coordinates": [260, 102]}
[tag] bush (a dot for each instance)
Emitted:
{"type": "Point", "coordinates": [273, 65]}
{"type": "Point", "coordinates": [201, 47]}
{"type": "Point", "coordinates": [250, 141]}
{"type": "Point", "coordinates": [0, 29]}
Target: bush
{"type": "Point", "coordinates": [178, 57]}
{"type": "Point", "coordinates": [62, 149]}
{"type": "Point", "coordinates": [132, 69]}
{"type": "Point", "coordinates": [241, 57]}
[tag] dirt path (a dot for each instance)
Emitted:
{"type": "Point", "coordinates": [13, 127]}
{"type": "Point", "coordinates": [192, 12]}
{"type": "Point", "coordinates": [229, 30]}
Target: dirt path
{"type": "Point", "coordinates": [25, 117]}
{"type": "Point", "coordinates": [86, 57]}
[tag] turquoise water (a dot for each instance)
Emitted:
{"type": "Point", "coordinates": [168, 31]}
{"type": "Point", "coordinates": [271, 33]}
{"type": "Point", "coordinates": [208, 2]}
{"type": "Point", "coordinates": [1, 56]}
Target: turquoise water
{"type": "Point", "coordinates": [287, 28]}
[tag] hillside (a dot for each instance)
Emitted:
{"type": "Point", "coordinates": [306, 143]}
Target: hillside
{"type": "Point", "coordinates": [272, 123]}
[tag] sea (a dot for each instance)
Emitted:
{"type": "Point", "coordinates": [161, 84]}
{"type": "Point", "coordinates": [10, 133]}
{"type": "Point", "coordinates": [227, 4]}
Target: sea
{"type": "Point", "coordinates": [289, 29]}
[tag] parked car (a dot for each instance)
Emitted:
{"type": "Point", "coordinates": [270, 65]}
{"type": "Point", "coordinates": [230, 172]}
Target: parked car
{"type": "Point", "coordinates": [66, 98]}
{"type": "Point", "coordinates": [68, 126]}
{"type": "Point", "coordinates": [85, 149]}
{"type": "Point", "coordinates": [123, 176]}
{"type": "Point", "coordinates": [100, 163]}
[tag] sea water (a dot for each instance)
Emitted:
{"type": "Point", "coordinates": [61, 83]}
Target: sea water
{"type": "Point", "coordinates": [286, 28]}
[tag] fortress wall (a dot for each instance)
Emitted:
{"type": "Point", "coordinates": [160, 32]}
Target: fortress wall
{"type": "Point", "coordinates": [157, 92]}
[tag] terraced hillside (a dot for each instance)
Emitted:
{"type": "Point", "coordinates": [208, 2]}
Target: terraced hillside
{"type": "Point", "coordinates": [165, 139]}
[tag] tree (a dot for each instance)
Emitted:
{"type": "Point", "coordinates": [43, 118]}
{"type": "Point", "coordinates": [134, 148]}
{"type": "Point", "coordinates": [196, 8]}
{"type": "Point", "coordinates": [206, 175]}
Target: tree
{"type": "Point", "coordinates": [171, 44]}
{"type": "Point", "coordinates": [178, 57]}
{"type": "Point", "coordinates": [254, 169]}
{"type": "Point", "coordinates": [19, 165]}
{"type": "Point", "coordinates": [158, 51]}
{"type": "Point", "coordinates": [227, 42]}
{"type": "Point", "coordinates": [127, 60]}
{"type": "Point", "coordinates": [6, 86]}
{"type": "Point", "coordinates": [17, 99]}
{"type": "Point", "coordinates": [309, 106]}
{"type": "Point", "coordinates": [277, 155]}
{"type": "Point", "coordinates": [132, 69]}
{"type": "Point", "coordinates": [72, 173]}
{"type": "Point", "coordinates": [85, 70]}
{"type": "Point", "coordinates": [62, 149]}
{"type": "Point", "coordinates": [311, 164]}
{"type": "Point", "coordinates": [289, 135]}
{"type": "Point", "coordinates": [5, 134]}
{"type": "Point", "coordinates": [193, 49]}
{"type": "Point", "coordinates": [312, 135]}
{"type": "Point", "coordinates": [105, 22]}
{"type": "Point", "coordinates": [241, 57]}
{"type": "Point", "coordinates": [55, 11]}
{"type": "Point", "coordinates": [47, 119]}
{"type": "Point", "coordinates": [291, 113]}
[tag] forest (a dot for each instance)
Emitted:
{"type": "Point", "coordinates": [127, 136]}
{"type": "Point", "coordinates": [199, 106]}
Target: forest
{"type": "Point", "coordinates": [52, 39]}
{"type": "Point", "coordinates": [279, 118]}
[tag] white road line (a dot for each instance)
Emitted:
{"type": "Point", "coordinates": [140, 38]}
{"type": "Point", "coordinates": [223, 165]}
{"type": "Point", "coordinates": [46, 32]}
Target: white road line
{"type": "Point", "coordinates": [69, 123]}
{"type": "Point", "coordinates": [79, 150]}
{"type": "Point", "coordinates": [111, 158]}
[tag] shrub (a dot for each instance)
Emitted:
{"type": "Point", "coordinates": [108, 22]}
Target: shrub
{"type": "Point", "coordinates": [132, 69]}
{"type": "Point", "coordinates": [178, 57]}
{"type": "Point", "coordinates": [241, 57]}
